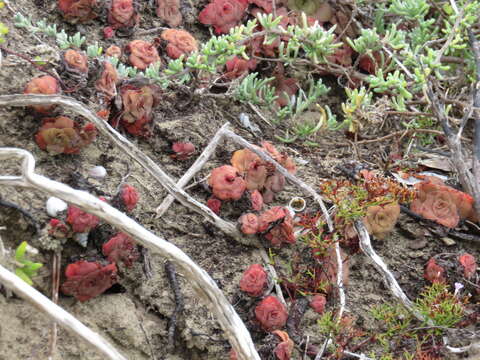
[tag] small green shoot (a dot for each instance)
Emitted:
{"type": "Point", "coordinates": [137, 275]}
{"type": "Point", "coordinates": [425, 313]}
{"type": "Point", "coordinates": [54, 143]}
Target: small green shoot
{"type": "Point", "coordinates": [25, 269]}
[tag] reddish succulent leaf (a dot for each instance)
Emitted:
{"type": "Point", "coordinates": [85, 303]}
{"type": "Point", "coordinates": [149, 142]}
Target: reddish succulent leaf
{"type": "Point", "coordinates": [107, 82]}
{"type": "Point", "coordinates": [182, 150]}
{"type": "Point", "coordinates": [113, 51]}
{"type": "Point", "coordinates": [381, 219]}
{"type": "Point", "coordinates": [78, 11]}
{"type": "Point", "coordinates": [108, 32]}
{"type": "Point", "coordinates": [81, 221]}
{"type": "Point", "coordinates": [75, 62]}
{"type": "Point", "coordinates": [270, 216]}
{"type": "Point", "coordinates": [341, 56]}
{"type": "Point", "coordinates": [266, 5]}
{"type": "Point", "coordinates": [44, 85]}
{"type": "Point", "coordinates": [282, 158]}
{"type": "Point", "coordinates": [443, 204]}
{"type": "Point", "coordinates": [226, 183]}
{"type": "Point", "coordinates": [243, 159]}
{"type": "Point", "coordinates": [233, 355]}
{"type": "Point", "coordinates": [254, 280]}
{"type": "Point", "coordinates": [469, 265]}
{"type": "Point", "coordinates": [256, 176]}
{"type": "Point", "coordinates": [271, 314]}
{"type": "Point", "coordinates": [285, 88]}
{"type": "Point", "coordinates": [86, 280]}
{"type": "Point", "coordinates": [180, 42]}
{"type": "Point", "coordinates": [370, 63]}
{"type": "Point", "coordinates": [121, 247]}
{"type": "Point", "coordinates": [318, 303]}
{"type": "Point", "coordinates": [61, 135]}
{"type": "Point", "coordinates": [434, 272]}
{"type": "Point", "coordinates": [142, 54]}
{"type": "Point", "coordinates": [58, 229]}
{"type": "Point", "coordinates": [237, 67]}
{"type": "Point", "coordinates": [122, 14]}
{"type": "Point", "coordinates": [169, 11]}
{"type": "Point", "coordinates": [283, 232]}
{"type": "Point", "coordinates": [138, 104]}
{"type": "Point", "coordinates": [249, 223]}
{"type": "Point", "coordinates": [283, 351]}
{"type": "Point", "coordinates": [256, 200]}
{"type": "Point", "coordinates": [129, 197]}
{"type": "Point", "coordinates": [223, 14]}
{"type": "Point", "coordinates": [214, 204]}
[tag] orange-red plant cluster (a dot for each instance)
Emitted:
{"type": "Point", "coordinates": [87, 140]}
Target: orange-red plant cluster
{"type": "Point", "coordinates": [85, 280]}
{"type": "Point", "coordinates": [442, 204]}
{"type": "Point", "coordinates": [62, 135]}
{"type": "Point", "coordinates": [179, 42]}
{"type": "Point", "coordinates": [254, 280]}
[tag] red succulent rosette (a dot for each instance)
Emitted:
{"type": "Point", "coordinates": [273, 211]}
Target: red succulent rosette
{"type": "Point", "coordinates": [122, 14]}
{"type": "Point", "coordinates": [271, 314]}
{"type": "Point", "coordinates": [169, 11]}
{"type": "Point", "coordinates": [121, 247]}
{"type": "Point", "coordinates": [254, 280]}
{"type": "Point", "coordinates": [44, 85]}
{"type": "Point", "coordinates": [381, 219]}
{"type": "Point", "coordinates": [61, 135]}
{"type": "Point", "coordinates": [138, 104]}
{"type": "Point", "coordinates": [81, 221]}
{"type": "Point", "coordinates": [318, 303]}
{"type": "Point", "coordinates": [129, 197]}
{"type": "Point", "coordinates": [434, 272]}
{"type": "Point", "coordinates": [248, 223]}
{"type": "Point", "coordinates": [78, 11]}
{"type": "Point", "coordinates": [113, 51]}
{"type": "Point", "coordinates": [237, 67]}
{"type": "Point", "coordinates": [441, 203]}
{"type": "Point", "coordinates": [75, 62]}
{"type": "Point", "coordinates": [142, 54]}
{"type": "Point", "coordinates": [223, 14]}
{"type": "Point", "coordinates": [469, 265]}
{"type": "Point", "coordinates": [214, 204]}
{"type": "Point", "coordinates": [283, 351]}
{"type": "Point", "coordinates": [226, 183]}
{"type": "Point", "coordinates": [85, 280]}
{"type": "Point", "coordinates": [182, 150]}
{"type": "Point", "coordinates": [180, 42]}
{"type": "Point", "coordinates": [107, 82]}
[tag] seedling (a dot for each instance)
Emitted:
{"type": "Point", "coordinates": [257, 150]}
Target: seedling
{"type": "Point", "coordinates": [25, 269]}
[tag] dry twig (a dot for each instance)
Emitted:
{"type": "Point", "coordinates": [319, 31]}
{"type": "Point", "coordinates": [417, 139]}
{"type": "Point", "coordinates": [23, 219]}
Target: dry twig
{"type": "Point", "coordinates": [200, 281]}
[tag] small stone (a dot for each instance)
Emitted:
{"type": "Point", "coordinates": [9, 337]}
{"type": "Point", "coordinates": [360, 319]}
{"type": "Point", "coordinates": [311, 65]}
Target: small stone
{"type": "Point", "coordinates": [97, 172]}
{"type": "Point", "coordinates": [418, 244]}
{"type": "Point", "coordinates": [55, 206]}
{"type": "Point", "coordinates": [448, 241]}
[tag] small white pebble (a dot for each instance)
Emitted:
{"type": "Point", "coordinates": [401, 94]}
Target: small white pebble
{"type": "Point", "coordinates": [97, 172]}
{"type": "Point", "coordinates": [55, 206]}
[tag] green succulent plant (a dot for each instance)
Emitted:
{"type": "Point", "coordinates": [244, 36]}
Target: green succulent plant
{"type": "Point", "coordinates": [25, 269]}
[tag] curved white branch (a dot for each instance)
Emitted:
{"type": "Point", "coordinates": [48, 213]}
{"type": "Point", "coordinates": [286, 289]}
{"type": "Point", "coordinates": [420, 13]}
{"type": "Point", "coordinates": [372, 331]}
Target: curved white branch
{"type": "Point", "coordinates": [200, 281]}
{"type": "Point", "coordinates": [382, 268]}
{"type": "Point", "coordinates": [22, 289]}
{"type": "Point", "coordinates": [131, 150]}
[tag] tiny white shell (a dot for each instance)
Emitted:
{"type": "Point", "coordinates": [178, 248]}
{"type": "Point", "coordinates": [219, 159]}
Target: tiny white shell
{"type": "Point", "coordinates": [55, 206]}
{"type": "Point", "coordinates": [97, 172]}
{"type": "Point", "coordinates": [297, 204]}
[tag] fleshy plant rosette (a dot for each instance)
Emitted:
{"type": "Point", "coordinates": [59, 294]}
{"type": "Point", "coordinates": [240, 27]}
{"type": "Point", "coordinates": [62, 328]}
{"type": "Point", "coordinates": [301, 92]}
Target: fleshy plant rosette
{"type": "Point", "coordinates": [122, 16]}
{"type": "Point", "coordinates": [441, 203]}
{"type": "Point", "coordinates": [223, 14]}
{"type": "Point", "coordinates": [78, 11]}
{"type": "Point", "coordinates": [254, 280]}
{"type": "Point", "coordinates": [179, 42]}
{"type": "Point", "coordinates": [226, 183]}
{"type": "Point", "coordinates": [44, 85]}
{"type": "Point", "coordinates": [142, 54]}
{"type": "Point", "coordinates": [381, 219]}
{"type": "Point", "coordinates": [137, 107]}
{"type": "Point", "coordinates": [169, 11]}
{"type": "Point", "coordinates": [271, 314]}
{"type": "Point", "coordinates": [107, 82]}
{"type": "Point", "coordinates": [62, 135]}
{"type": "Point", "coordinates": [85, 280]}
{"type": "Point", "coordinates": [121, 247]}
